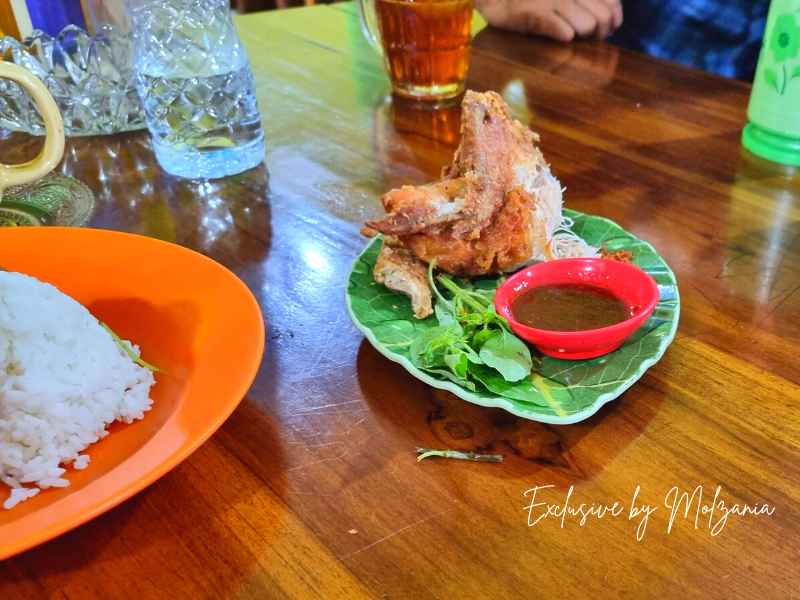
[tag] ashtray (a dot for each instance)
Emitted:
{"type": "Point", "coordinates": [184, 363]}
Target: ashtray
{"type": "Point", "coordinates": [52, 200]}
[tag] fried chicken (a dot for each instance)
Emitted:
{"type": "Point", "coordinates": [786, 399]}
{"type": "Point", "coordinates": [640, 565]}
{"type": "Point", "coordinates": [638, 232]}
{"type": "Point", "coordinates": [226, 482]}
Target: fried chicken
{"type": "Point", "coordinates": [398, 270]}
{"type": "Point", "coordinates": [494, 147]}
{"type": "Point", "coordinates": [507, 241]}
{"type": "Point", "coordinates": [412, 209]}
{"type": "Point", "coordinates": [496, 207]}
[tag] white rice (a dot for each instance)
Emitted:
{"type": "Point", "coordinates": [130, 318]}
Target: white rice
{"type": "Point", "coordinates": [63, 379]}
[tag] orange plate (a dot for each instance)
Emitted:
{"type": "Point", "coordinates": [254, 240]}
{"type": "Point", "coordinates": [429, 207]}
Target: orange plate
{"type": "Point", "coordinates": [191, 317]}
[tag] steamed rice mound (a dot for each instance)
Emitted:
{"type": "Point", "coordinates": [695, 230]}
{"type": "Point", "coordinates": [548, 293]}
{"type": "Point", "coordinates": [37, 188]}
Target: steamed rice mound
{"type": "Point", "coordinates": [63, 379]}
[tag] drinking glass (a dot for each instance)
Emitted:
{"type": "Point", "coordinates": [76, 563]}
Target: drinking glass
{"type": "Point", "coordinates": [424, 44]}
{"type": "Point", "coordinates": [196, 87]}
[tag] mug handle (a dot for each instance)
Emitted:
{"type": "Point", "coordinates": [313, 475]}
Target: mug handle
{"type": "Point", "coordinates": [369, 24]}
{"type": "Point", "coordinates": [53, 149]}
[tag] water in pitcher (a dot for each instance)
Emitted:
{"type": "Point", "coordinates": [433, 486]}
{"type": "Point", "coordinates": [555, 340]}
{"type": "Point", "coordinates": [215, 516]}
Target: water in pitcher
{"type": "Point", "coordinates": [196, 88]}
{"type": "Point", "coordinates": [426, 44]}
{"type": "Point", "coordinates": [204, 126]}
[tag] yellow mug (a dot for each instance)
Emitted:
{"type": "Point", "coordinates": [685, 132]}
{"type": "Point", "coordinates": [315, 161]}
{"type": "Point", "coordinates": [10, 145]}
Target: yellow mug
{"type": "Point", "coordinates": [53, 148]}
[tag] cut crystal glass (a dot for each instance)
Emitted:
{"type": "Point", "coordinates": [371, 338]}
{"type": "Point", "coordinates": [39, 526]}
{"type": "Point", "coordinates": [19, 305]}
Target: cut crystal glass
{"type": "Point", "coordinates": [90, 77]}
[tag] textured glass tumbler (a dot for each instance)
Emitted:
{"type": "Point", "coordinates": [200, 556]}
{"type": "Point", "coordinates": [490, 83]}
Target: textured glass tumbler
{"type": "Point", "coordinates": [196, 88]}
{"type": "Point", "coordinates": [425, 44]}
{"type": "Point", "coordinates": [89, 75]}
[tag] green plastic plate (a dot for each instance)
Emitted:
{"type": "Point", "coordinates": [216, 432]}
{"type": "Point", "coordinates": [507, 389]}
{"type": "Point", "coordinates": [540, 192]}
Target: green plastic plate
{"type": "Point", "coordinates": [558, 391]}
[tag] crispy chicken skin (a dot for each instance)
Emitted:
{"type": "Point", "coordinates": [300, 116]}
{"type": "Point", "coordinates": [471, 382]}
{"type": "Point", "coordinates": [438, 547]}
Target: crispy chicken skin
{"type": "Point", "coordinates": [493, 148]}
{"type": "Point", "coordinates": [415, 208]}
{"type": "Point", "coordinates": [504, 244]}
{"type": "Point", "coordinates": [495, 155]}
{"type": "Point", "coordinates": [496, 207]}
{"type": "Point", "coordinates": [398, 270]}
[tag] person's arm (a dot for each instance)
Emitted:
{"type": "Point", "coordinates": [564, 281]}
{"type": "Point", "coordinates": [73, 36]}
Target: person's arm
{"type": "Point", "coordinates": [562, 20]}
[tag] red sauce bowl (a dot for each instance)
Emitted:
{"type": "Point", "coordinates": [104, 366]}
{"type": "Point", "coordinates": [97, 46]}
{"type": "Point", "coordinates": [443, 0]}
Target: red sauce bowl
{"type": "Point", "coordinates": [635, 288]}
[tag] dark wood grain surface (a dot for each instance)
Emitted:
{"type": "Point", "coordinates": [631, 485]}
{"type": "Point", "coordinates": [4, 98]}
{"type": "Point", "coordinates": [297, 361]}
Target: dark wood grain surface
{"type": "Point", "coordinates": [311, 488]}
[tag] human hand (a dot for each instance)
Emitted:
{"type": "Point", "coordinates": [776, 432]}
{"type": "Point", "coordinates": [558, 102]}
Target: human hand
{"type": "Point", "coordinates": [562, 20]}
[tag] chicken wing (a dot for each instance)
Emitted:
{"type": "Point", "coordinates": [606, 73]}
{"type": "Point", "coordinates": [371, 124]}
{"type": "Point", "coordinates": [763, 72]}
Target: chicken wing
{"type": "Point", "coordinates": [412, 209]}
{"type": "Point", "coordinates": [496, 207]}
{"type": "Point", "coordinates": [505, 244]}
{"type": "Point", "coordinates": [494, 151]}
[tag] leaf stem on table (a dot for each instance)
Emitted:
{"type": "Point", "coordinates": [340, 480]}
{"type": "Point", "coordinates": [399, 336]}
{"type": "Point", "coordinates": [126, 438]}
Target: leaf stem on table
{"type": "Point", "coordinates": [423, 453]}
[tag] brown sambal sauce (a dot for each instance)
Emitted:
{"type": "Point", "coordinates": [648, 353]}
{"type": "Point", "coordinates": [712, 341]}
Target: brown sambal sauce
{"type": "Point", "coordinates": [569, 307]}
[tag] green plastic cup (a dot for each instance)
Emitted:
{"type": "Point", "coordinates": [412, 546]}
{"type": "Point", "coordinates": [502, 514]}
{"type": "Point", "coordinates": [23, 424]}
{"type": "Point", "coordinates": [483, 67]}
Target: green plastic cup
{"type": "Point", "coordinates": [773, 130]}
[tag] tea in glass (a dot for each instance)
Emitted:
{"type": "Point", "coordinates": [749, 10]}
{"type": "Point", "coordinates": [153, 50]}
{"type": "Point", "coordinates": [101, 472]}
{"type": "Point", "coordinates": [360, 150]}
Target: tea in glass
{"type": "Point", "coordinates": [425, 44]}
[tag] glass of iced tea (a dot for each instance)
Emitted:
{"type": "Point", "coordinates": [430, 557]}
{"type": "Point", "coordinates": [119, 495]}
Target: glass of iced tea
{"type": "Point", "coordinates": [424, 43]}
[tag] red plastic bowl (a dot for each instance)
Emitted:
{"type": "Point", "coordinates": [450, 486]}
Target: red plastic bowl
{"type": "Point", "coordinates": [626, 281]}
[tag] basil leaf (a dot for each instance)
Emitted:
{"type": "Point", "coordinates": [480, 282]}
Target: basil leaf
{"type": "Point", "coordinates": [508, 354]}
{"type": "Point", "coordinates": [427, 350]}
{"type": "Point", "coordinates": [472, 356]}
{"type": "Point", "coordinates": [458, 363]}
{"type": "Point", "coordinates": [444, 315]}
{"type": "Point", "coordinates": [481, 336]}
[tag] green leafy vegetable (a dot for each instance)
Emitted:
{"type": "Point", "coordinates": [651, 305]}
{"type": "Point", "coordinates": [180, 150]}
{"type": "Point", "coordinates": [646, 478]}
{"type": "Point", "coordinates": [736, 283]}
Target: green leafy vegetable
{"type": "Point", "coordinates": [507, 354]}
{"type": "Point", "coordinates": [469, 334]}
{"type": "Point", "coordinates": [126, 348]}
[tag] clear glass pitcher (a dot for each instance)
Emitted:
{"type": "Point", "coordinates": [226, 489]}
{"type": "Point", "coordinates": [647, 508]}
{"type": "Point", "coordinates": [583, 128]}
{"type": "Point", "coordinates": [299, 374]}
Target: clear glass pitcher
{"type": "Point", "coordinates": [195, 84]}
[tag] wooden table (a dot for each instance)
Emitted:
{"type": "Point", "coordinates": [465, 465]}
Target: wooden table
{"type": "Point", "coordinates": [311, 489]}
